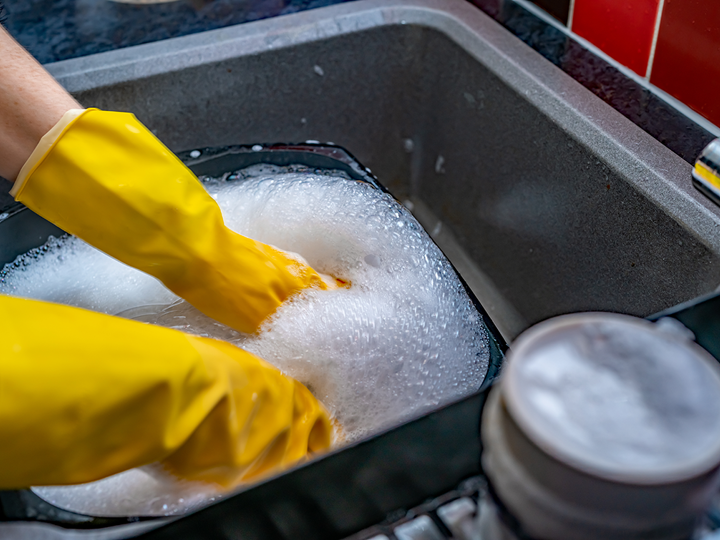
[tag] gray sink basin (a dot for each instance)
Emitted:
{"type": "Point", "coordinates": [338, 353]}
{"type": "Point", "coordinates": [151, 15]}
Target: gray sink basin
{"type": "Point", "coordinates": [546, 199]}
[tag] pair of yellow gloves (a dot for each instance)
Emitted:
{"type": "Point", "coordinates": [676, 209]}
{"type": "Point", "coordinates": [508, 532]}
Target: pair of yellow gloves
{"type": "Point", "coordinates": [85, 395]}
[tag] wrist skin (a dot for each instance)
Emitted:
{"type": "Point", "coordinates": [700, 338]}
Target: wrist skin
{"type": "Point", "coordinates": [31, 103]}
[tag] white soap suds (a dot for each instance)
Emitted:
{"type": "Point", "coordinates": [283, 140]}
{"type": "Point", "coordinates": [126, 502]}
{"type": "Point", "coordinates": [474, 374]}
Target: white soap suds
{"type": "Point", "coordinates": [403, 339]}
{"type": "Point", "coordinates": [619, 398]}
{"type": "Point", "coordinates": [69, 271]}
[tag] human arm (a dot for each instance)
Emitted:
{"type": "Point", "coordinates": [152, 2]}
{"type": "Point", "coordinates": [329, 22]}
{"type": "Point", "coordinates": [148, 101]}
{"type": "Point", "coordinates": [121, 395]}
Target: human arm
{"type": "Point", "coordinates": [107, 179]}
{"type": "Point", "coordinates": [32, 102]}
{"type": "Point", "coordinates": [85, 395]}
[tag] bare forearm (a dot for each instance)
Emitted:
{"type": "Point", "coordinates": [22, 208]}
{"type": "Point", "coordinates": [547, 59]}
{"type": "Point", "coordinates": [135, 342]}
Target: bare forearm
{"type": "Point", "coordinates": [31, 102]}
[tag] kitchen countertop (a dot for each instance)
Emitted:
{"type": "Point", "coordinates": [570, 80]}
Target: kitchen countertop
{"type": "Point", "coordinates": [646, 109]}
{"type": "Point", "coordinates": [54, 30]}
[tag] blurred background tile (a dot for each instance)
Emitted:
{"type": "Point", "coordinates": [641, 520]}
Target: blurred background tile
{"type": "Point", "coordinates": [687, 55]}
{"type": "Point", "coordinates": [621, 28]}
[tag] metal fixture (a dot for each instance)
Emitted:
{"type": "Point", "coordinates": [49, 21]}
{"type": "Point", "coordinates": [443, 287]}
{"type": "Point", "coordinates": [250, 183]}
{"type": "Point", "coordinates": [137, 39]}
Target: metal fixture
{"type": "Point", "coordinates": [706, 173]}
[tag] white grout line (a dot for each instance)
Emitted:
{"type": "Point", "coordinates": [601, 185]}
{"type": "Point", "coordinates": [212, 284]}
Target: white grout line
{"type": "Point", "coordinates": [656, 31]}
{"type": "Point", "coordinates": [572, 12]}
{"type": "Point", "coordinates": [667, 98]}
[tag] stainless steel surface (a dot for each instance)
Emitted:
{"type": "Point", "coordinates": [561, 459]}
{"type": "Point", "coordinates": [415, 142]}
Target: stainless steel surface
{"type": "Point", "coordinates": [560, 202]}
{"type": "Point", "coordinates": [706, 174]}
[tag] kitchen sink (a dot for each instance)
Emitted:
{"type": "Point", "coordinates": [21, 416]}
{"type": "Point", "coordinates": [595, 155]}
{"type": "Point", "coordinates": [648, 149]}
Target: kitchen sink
{"type": "Point", "coordinates": [545, 199]}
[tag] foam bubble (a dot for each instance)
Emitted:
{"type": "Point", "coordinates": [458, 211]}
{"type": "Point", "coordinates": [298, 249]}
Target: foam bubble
{"type": "Point", "coordinates": [147, 491]}
{"type": "Point", "coordinates": [403, 339]}
{"type": "Point", "coordinates": [69, 271]}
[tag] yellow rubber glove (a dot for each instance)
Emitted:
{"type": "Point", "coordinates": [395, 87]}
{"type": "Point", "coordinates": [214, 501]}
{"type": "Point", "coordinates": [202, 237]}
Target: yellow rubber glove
{"type": "Point", "coordinates": [105, 178]}
{"type": "Point", "coordinates": [85, 395]}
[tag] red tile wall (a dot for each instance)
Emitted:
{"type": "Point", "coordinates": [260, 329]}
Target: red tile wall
{"type": "Point", "coordinates": [687, 55]}
{"type": "Point", "coordinates": [621, 28]}
{"type": "Point", "coordinates": [685, 60]}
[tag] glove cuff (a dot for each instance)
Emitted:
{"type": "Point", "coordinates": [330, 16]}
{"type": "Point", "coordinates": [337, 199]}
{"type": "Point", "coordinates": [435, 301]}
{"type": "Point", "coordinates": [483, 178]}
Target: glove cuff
{"type": "Point", "coordinates": [43, 148]}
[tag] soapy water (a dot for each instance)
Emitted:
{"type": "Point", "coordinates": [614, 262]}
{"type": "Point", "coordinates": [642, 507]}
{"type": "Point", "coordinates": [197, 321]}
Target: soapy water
{"type": "Point", "coordinates": [403, 339]}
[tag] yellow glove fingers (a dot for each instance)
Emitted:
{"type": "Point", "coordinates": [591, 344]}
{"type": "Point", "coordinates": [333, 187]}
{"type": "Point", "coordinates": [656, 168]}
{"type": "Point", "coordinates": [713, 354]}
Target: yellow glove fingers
{"type": "Point", "coordinates": [84, 396]}
{"type": "Point", "coordinates": [106, 179]}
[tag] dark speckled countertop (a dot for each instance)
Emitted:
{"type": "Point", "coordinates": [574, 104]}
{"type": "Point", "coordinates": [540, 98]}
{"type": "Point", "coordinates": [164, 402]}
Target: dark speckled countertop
{"type": "Point", "coordinates": [55, 30]}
